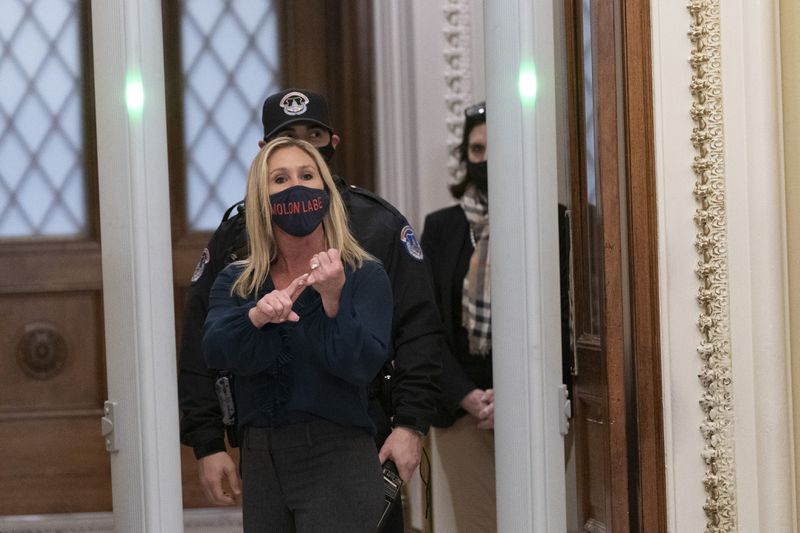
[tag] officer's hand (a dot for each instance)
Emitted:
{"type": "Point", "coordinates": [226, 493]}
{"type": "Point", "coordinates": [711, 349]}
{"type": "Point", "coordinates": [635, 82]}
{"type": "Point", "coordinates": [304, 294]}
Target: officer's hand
{"type": "Point", "coordinates": [213, 470]}
{"type": "Point", "coordinates": [276, 307]}
{"type": "Point", "coordinates": [327, 278]}
{"type": "Point", "coordinates": [404, 447]}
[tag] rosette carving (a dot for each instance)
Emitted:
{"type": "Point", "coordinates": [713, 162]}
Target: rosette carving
{"type": "Point", "coordinates": [42, 351]}
{"type": "Point", "coordinates": [457, 76]}
{"type": "Point", "coordinates": [712, 269]}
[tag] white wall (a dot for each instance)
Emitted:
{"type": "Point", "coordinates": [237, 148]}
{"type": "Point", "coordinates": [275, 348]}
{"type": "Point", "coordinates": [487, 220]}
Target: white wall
{"type": "Point", "coordinates": [679, 310]}
{"type": "Point", "coordinates": [412, 136]}
{"type": "Point", "coordinates": [759, 325]}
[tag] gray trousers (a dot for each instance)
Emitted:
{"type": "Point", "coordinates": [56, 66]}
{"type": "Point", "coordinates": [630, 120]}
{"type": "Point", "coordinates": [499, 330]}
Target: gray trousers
{"type": "Point", "coordinates": [310, 477]}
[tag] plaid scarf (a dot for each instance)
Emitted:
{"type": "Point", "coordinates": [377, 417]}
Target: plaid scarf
{"type": "Point", "coordinates": [476, 299]}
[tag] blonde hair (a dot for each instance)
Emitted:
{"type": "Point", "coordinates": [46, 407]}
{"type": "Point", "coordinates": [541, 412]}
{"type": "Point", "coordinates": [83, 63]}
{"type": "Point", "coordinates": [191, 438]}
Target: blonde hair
{"type": "Point", "coordinates": [258, 219]}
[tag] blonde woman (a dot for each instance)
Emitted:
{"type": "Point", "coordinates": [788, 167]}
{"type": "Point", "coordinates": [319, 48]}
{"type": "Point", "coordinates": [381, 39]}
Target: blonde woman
{"type": "Point", "coordinates": [304, 324]}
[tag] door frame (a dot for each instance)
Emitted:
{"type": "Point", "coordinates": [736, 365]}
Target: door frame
{"type": "Point", "coordinates": [642, 210]}
{"type": "Point", "coordinates": [646, 458]}
{"type": "Point", "coordinates": [638, 207]}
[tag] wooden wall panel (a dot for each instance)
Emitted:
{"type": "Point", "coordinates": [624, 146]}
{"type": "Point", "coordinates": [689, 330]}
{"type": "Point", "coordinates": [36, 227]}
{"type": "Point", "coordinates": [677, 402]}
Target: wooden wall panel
{"type": "Point", "coordinates": [52, 357]}
{"type": "Point", "coordinates": [59, 465]}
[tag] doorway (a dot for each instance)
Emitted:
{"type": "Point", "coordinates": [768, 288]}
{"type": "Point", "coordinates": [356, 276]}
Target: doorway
{"type": "Point", "coordinates": [616, 392]}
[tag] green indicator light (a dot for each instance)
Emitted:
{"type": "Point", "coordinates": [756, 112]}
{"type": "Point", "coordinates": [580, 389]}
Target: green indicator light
{"type": "Point", "coordinates": [528, 84]}
{"type": "Point", "coordinates": [134, 95]}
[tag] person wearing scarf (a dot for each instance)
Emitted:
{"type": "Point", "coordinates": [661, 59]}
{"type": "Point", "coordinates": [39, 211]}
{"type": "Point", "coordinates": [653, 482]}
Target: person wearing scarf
{"type": "Point", "coordinates": [455, 241]}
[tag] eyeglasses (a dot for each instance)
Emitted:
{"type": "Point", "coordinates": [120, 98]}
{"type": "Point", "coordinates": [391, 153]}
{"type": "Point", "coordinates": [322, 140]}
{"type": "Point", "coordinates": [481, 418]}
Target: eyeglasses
{"type": "Point", "coordinates": [475, 110]}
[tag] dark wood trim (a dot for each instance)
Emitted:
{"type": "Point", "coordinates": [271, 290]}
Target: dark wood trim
{"type": "Point", "coordinates": [643, 267]}
{"type": "Point", "coordinates": [351, 93]}
{"type": "Point", "coordinates": [91, 176]}
{"type": "Point", "coordinates": [173, 97]}
{"type": "Point", "coordinates": [573, 36]}
{"type": "Point", "coordinates": [606, 90]}
{"type": "Point", "coordinates": [338, 63]}
{"type": "Point", "coordinates": [304, 29]}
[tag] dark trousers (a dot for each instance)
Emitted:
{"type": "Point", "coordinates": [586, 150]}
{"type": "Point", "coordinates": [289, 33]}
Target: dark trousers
{"type": "Point", "coordinates": [310, 477]}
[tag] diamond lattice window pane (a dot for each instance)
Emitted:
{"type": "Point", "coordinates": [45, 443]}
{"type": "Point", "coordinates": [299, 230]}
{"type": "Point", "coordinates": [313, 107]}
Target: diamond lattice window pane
{"type": "Point", "coordinates": [42, 185]}
{"type": "Point", "coordinates": [230, 65]}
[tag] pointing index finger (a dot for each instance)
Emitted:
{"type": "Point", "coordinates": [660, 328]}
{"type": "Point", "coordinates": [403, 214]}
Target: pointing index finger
{"type": "Point", "coordinates": [296, 287]}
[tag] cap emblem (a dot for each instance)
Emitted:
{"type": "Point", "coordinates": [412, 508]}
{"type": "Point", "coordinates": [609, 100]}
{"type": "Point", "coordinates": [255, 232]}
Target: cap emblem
{"type": "Point", "coordinates": [294, 103]}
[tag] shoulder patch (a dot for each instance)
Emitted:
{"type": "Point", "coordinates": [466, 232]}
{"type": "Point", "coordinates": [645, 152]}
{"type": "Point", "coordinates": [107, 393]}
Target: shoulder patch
{"type": "Point", "coordinates": [205, 257]}
{"type": "Point", "coordinates": [411, 243]}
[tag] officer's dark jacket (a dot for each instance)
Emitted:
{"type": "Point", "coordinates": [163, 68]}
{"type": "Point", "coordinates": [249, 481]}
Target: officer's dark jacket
{"type": "Point", "coordinates": [417, 335]}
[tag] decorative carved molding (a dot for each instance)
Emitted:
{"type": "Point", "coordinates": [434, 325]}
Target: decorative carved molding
{"type": "Point", "coordinates": [457, 76]}
{"type": "Point", "coordinates": [711, 245]}
{"type": "Point", "coordinates": [42, 351]}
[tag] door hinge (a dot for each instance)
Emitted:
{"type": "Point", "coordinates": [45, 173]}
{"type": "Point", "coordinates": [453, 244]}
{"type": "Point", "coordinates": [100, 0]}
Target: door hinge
{"type": "Point", "coordinates": [565, 409]}
{"type": "Point", "coordinates": [107, 426]}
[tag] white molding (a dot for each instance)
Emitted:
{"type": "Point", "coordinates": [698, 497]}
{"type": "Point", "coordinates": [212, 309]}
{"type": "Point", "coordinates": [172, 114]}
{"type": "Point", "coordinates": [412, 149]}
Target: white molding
{"type": "Point", "coordinates": [524, 251]}
{"type": "Point", "coordinates": [757, 259]}
{"type": "Point", "coordinates": [394, 102]}
{"type": "Point", "coordinates": [458, 52]}
{"type": "Point", "coordinates": [677, 259]}
{"type": "Point", "coordinates": [746, 382]}
{"type": "Point", "coordinates": [711, 242]}
{"type": "Point", "coordinates": [478, 46]}
{"type": "Point", "coordinates": [411, 135]}
{"type": "Point", "coordinates": [137, 267]}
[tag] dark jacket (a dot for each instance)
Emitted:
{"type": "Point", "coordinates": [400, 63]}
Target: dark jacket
{"type": "Point", "coordinates": [448, 249]}
{"type": "Point", "coordinates": [447, 246]}
{"type": "Point", "coordinates": [317, 367]}
{"type": "Point", "coordinates": [416, 333]}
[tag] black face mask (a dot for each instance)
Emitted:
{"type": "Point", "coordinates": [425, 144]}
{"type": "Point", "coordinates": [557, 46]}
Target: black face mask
{"type": "Point", "coordinates": [326, 152]}
{"type": "Point", "coordinates": [299, 210]}
{"type": "Point", "coordinates": [478, 175]}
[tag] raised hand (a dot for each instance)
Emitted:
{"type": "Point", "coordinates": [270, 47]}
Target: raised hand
{"type": "Point", "coordinates": [276, 307]}
{"type": "Point", "coordinates": [327, 278]}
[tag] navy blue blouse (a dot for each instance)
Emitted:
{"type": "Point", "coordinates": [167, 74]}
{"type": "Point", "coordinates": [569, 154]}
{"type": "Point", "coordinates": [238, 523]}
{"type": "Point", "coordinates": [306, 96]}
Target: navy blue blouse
{"type": "Point", "coordinates": [319, 367]}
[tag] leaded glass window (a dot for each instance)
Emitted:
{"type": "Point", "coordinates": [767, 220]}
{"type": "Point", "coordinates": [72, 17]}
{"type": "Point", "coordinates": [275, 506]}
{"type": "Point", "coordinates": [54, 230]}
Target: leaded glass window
{"type": "Point", "coordinates": [42, 174]}
{"type": "Point", "coordinates": [230, 64]}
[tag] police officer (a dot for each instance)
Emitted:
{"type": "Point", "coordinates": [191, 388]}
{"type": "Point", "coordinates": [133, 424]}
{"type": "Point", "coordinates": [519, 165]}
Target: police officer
{"type": "Point", "coordinates": [417, 337]}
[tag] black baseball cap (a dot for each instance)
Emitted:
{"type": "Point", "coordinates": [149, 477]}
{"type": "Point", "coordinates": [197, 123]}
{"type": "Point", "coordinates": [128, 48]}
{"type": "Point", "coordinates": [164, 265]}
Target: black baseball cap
{"type": "Point", "coordinates": [294, 105]}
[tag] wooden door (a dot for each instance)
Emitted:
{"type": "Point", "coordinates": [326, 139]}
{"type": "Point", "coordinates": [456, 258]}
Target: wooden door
{"type": "Point", "coordinates": [52, 367]}
{"type": "Point", "coordinates": [601, 443]}
{"type": "Point", "coordinates": [52, 361]}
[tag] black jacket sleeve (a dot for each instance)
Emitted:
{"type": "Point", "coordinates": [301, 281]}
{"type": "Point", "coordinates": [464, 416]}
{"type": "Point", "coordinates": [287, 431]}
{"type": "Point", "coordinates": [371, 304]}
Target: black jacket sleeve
{"type": "Point", "coordinates": [201, 425]}
{"type": "Point", "coordinates": [418, 342]}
